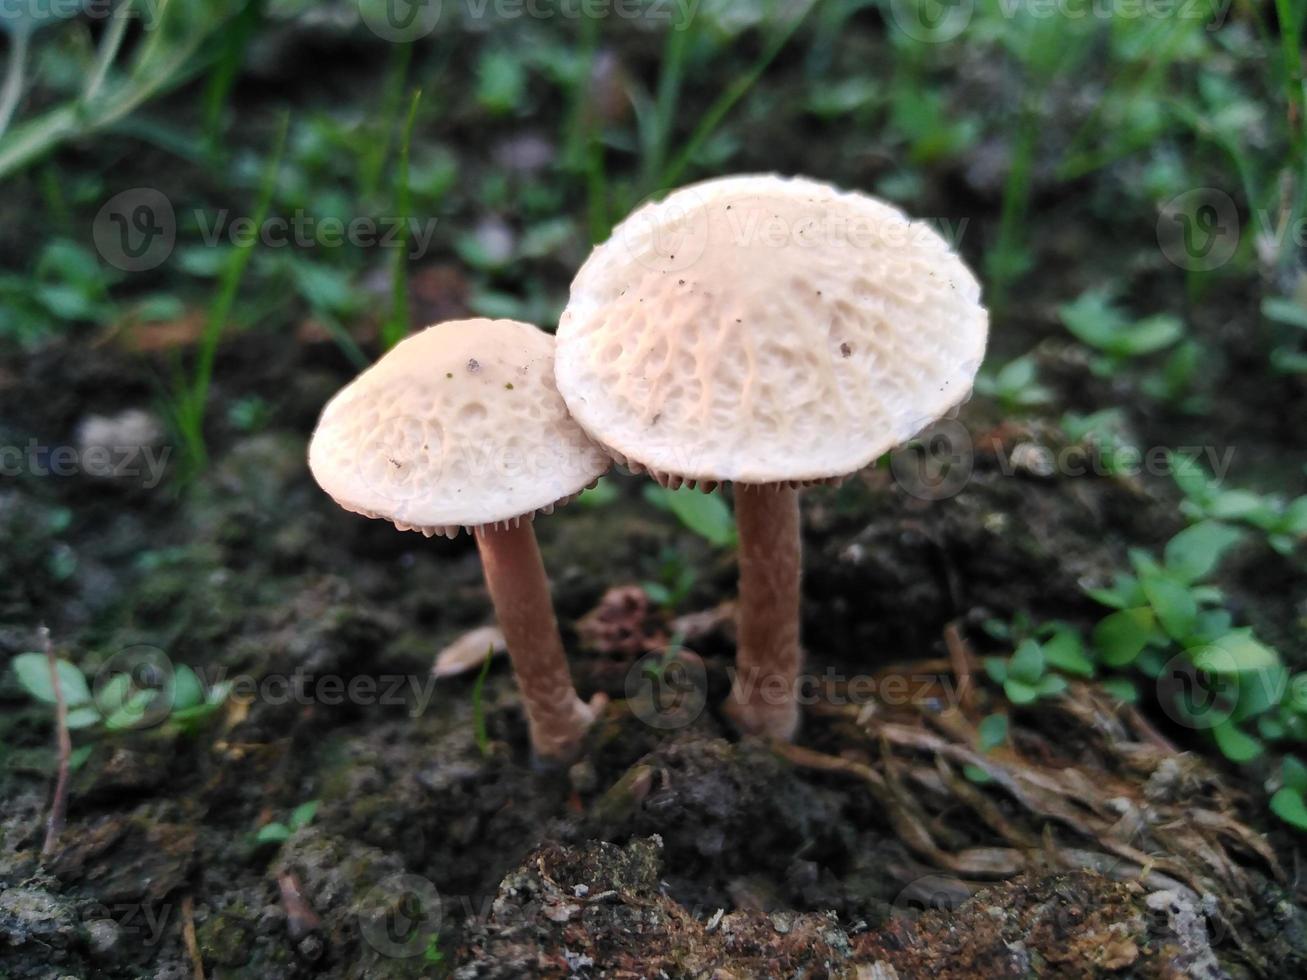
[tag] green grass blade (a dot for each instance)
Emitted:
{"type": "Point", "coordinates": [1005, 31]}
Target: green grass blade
{"type": "Point", "coordinates": [727, 101]}
{"type": "Point", "coordinates": [191, 403]}
{"type": "Point", "coordinates": [396, 326]}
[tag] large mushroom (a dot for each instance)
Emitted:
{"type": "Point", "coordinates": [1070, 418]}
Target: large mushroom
{"type": "Point", "coordinates": [461, 427]}
{"type": "Point", "coordinates": [772, 333]}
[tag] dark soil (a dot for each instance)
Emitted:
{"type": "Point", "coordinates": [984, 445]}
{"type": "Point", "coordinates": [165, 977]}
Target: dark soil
{"type": "Point", "coordinates": [253, 572]}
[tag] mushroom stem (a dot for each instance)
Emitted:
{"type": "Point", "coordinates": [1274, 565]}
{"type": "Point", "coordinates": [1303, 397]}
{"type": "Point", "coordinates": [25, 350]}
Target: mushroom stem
{"type": "Point", "coordinates": [767, 661]}
{"type": "Point", "coordinates": [519, 589]}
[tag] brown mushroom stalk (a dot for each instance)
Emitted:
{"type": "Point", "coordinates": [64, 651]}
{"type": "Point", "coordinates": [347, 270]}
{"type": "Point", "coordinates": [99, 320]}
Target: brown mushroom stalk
{"type": "Point", "coordinates": [519, 589]}
{"type": "Point", "coordinates": [770, 333]}
{"type": "Point", "coordinates": [767, 663]}
{"type": "Point", "coordinates": [461, 427]}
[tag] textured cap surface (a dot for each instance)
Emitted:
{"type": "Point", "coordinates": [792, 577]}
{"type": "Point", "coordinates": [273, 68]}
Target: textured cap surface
{"type": "Point", "coordinates": [761, 329]}
{"type": "Point", "coordinates": [457, 426]}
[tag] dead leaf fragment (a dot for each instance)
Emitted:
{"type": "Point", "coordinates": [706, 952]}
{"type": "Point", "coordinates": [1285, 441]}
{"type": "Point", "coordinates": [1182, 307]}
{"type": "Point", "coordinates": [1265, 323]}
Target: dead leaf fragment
{"type": "Point", "coordinates": [468, 652]}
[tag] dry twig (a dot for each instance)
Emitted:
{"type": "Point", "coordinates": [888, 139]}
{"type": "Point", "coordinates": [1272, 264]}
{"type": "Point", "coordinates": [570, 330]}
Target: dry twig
{"type": "Point", "coordinates": [54, 826]}
{"type": "Point", "coordinates": [188, 936]}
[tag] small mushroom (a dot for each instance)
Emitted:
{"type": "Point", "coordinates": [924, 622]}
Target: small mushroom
{"type": "Point", "coordinates": [461, 427]}
{"type": "Point", "coordinates": [773, 333]}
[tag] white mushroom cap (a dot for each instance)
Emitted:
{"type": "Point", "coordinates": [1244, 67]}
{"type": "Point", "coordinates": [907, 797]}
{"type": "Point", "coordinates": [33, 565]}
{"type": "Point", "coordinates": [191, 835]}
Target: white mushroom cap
{"type": "Point", "coordinates": [767, 330]}
{"type": "Point", "coordinates": [458, 426]}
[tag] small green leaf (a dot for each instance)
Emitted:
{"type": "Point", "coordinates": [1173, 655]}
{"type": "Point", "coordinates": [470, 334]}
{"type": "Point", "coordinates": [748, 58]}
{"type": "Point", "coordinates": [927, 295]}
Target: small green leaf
{"type": "Point", "coordinates": [706, 514]}
{"type": "Point", "coordinates": [976, 774]}
{"type": "Point", "coordinates": [1093, 319]}
{"type": "Point", "coordinates": [1122, 689]}
{"type": "Point", "coordinates": [272, 833]}
{"type": "Point", "coordinates": [658, 593]}
{"type": "Point", "coordinates": [1149, 335]}
{"type": "Point", "coordinates": [77, 758]}
{"type": "Point", "coordinates": [83, 716]}
{"type": "Point", "coordinates": [1051, 685]}
{"type": "Point", "coordinates": [1288, 805]}
{"type": "Point", "coordinates": [993, 732]}
{"type": "Point", "coordinates": [1027, 664]}
{"type": "Point", "coordinates": [1176, 608]}
{"type": "Point", "coordinates": [996, 669]}
{"type": "Point", "coordinates": [1236, 652]}
{"type": "Point", "coordinates": [1271, 729]}
{"type": "Point", "coordinates": [1295, 517]}
{"type": "Point", "coordinates": [1144, 563]}
{"type": "Point", "coordinates": [1293, 773]}
{"type": "Point", "coordinates": [1286, 311]}
{"type": "Point", "coordinates": [1195, 551]}
{"type": "Point", "coordinates": [1296, 696]}
{"type": "Point", "coordinates": [601, 494]}
{"type": "Point", "coordinates": [1066, 651]}
{"type": "Point", "coordinates": [1020, 693]}
{"type": "Point", "coordinates": [1121, 636]}
{"type": "Point", "coordinates": [189, 719]}
{"type": "Point", "coordinates": [303, 814]}
{"type": "Point", "coordinates": [33, 672]}
{"type": "Point", "coordinates": [129, 716]}
{"type": "Point", "coordinates": [1235, 744]}
{"type": "Point", "coordinates": [1189, 476]}
{"type": "Point", "coordinates": [1212, 623]}
{"type": "Point", "coordinates": [1124, 593]}
{"type": "Point", "coordinates": [1259, 691]}
{"type": "Point", "coordinates": [187, 688]}
{"type": "Point", "coordinates": [1016, 373]}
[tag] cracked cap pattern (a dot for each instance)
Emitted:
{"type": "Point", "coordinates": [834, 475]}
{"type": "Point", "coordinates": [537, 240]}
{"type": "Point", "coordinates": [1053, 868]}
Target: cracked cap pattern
{"type": "Point", "coordinates": [456, 427]}
{"type": "Point", "coordinates": [761, 329]}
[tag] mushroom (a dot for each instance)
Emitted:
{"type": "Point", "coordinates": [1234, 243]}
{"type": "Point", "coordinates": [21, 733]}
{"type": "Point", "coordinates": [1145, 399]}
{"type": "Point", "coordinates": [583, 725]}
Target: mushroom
{"type": "Point", "coordinates": [461, 426]}
{"type": "Point", "coordinates": [773, 333]}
